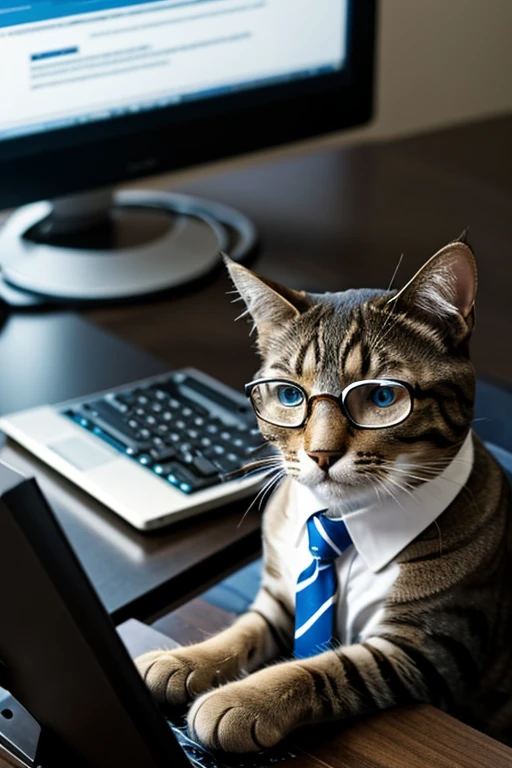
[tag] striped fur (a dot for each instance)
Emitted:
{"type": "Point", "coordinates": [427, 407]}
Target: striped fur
{"type": "Point", "coordinates": [446, 632]}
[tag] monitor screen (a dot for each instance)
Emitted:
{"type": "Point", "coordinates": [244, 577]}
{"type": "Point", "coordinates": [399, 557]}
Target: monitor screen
{"type": "Point", "coordinates": [98, 92]}
{"type": "Point", "coordinates": [69, 63]}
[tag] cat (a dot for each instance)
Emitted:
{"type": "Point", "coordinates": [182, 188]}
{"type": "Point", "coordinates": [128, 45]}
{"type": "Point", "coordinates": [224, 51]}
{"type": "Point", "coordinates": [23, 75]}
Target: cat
{"type": "Point", "coordinates": [424, 607]}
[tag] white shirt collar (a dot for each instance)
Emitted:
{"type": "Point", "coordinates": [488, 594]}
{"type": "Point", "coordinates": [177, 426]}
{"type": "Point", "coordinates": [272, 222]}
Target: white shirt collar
{"type": "Point", "coordinates": [381, 531]}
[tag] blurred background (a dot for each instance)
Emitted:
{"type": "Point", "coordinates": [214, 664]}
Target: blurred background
{"type": "Point", "coordinates": [437, 64]}
{"type": "Point", "coordinates": [440, 63]}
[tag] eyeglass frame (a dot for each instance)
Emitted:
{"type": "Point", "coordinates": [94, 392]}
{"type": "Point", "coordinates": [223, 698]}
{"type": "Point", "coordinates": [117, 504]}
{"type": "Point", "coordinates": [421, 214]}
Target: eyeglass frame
{"type": "Point", "coordinates": [338, 399]}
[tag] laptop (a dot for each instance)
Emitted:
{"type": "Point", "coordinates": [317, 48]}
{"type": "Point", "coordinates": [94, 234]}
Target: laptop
{"type": "Point", "coordinates": [71, 693]}
{"type": "Point", "coordinates": [158, 446]}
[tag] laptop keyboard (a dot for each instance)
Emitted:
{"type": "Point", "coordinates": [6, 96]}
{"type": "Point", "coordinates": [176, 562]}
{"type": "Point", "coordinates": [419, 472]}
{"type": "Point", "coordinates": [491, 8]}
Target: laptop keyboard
{"type": "Point", "coordinates": [205, 758]}
{"type": "Point", "coordinates": [180, 428]}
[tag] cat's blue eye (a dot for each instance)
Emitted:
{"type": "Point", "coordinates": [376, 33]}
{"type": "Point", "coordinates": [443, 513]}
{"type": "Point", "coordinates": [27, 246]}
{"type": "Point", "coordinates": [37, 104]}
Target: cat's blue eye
{"type": "Point", "coordinates": [383, 396]}
{"type": "Point", "coordinates": [290, 396]}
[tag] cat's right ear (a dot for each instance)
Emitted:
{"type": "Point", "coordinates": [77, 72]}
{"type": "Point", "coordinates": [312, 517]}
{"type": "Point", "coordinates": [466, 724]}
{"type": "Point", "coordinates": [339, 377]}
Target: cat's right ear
{"type": "Point", "coordinates": [269, 304]}
{"type": "Point", "coordinates": [444, 288]}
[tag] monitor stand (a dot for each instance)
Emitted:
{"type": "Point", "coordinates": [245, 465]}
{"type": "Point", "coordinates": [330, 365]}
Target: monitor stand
{"type": "Point", "coordinates": [104, 246]}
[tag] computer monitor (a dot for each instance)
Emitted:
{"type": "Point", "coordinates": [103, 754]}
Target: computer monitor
{"type": "Point", "coordinates": [99, 92]}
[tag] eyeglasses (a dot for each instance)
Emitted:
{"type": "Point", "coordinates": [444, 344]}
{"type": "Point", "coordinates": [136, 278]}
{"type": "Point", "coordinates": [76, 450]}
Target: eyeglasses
{"type": "Point", "coordinates": [368, 404]}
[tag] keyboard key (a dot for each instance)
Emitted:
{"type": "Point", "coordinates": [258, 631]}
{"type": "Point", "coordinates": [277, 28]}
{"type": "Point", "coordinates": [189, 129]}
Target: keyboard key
{"type": "Point", "coordinates": [187, 481]}
{"type": "Point", "coordinates": [110, 420]}
{"type": "Point", "coordinates": [117, 404]}
{"type": "Point", "coordinates": [203, 467]}
{"type": "Point", "coordinates": [225, 466]}
{"type": "Point", "coordinates": [162, 454]}
{"type": "Point", "coordinates": [164, 469]}
{"type": "Point", "coordinates": [128, 400]}
{"type": "Point", "coordinates": [254, 437]}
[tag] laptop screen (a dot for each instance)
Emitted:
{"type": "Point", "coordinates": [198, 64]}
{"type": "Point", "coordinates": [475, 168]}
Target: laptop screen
{"type": "Point", "coordinates": [64, 660]}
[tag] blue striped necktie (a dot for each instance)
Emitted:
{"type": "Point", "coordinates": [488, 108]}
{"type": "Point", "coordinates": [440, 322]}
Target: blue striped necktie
{"type": "Point", "coordinates": [317, 586]}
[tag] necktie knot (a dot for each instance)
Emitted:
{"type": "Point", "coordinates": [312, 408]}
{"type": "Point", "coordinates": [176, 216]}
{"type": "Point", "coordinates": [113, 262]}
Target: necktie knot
{"type": "Point", "coordinates": [328, 538]}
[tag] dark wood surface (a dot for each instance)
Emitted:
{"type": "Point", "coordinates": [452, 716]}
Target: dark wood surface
{"type": "Point", "coordinates": [329, 220]}
{"type": "Point", "coordinates": [408, 737]}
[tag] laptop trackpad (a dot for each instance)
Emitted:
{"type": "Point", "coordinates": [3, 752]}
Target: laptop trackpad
{"type": "Point", "coordinates": [82, 453]}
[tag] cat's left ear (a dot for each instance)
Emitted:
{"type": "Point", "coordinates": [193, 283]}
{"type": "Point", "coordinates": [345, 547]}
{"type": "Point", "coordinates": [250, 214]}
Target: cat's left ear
{"type": "Point", "coordinates": [445, 287]}
{"type": "Point", "coordinates": [269, 304]}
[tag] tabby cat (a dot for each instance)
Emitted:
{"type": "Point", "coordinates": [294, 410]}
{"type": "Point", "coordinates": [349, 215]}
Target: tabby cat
{"type": "Point", "coordinates": [424, 599]}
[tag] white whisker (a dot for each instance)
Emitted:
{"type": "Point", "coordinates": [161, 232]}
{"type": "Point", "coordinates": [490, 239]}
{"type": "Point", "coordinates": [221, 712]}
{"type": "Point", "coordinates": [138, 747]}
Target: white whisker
{"type": "Point", "coordinates": [404, 487]}
{"type": "Point", "coordinates": [242, 314]}
{"type": "Point", "coordinates": [395, 272]}
{"type": "Point", "coordinates": [388, 490]}
{"type": "Point", "coordinates": [272, 480]}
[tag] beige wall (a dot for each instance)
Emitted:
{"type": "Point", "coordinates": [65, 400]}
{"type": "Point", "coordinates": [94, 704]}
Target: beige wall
{"type": "Point", "coordinates": [439, 62]}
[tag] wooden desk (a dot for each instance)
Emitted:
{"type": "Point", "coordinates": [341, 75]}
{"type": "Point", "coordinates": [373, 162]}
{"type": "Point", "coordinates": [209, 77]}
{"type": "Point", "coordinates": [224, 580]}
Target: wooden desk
{"type": "Point", "coordinates": [331, 220]}
{"type": "Point", "coordinates": [408, 737]}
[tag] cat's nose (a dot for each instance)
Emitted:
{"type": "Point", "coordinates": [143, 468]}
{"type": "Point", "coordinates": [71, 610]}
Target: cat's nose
{"type": "Point", "coordinates": [325, 459]}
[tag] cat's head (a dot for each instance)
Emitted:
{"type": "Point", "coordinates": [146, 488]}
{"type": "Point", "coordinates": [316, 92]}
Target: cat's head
{"type": "Point", "coordinates": [385, 435]}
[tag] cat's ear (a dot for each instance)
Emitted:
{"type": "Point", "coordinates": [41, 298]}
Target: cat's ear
{"type": "Point", "coordinates": [445, 287]}
{"type": "Point", "coordinates": [268, 303]}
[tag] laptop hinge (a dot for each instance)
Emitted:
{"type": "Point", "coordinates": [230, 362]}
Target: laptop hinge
{"type": "Point", "coordinates": [19, 731]}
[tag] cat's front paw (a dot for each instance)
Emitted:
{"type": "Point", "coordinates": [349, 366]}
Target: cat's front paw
{"type": "Point", "coordinates": [176, 677]}
{"type": "Point", "coordinates": [252, 714]}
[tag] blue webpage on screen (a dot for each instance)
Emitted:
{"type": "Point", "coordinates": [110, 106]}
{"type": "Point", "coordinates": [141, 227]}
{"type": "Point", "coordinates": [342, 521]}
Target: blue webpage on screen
{"type": "Point", "coordinates": [72, 62]}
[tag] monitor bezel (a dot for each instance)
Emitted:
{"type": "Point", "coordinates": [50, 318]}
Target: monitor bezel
{"type": "Point", "coordinates": [63, 162]}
